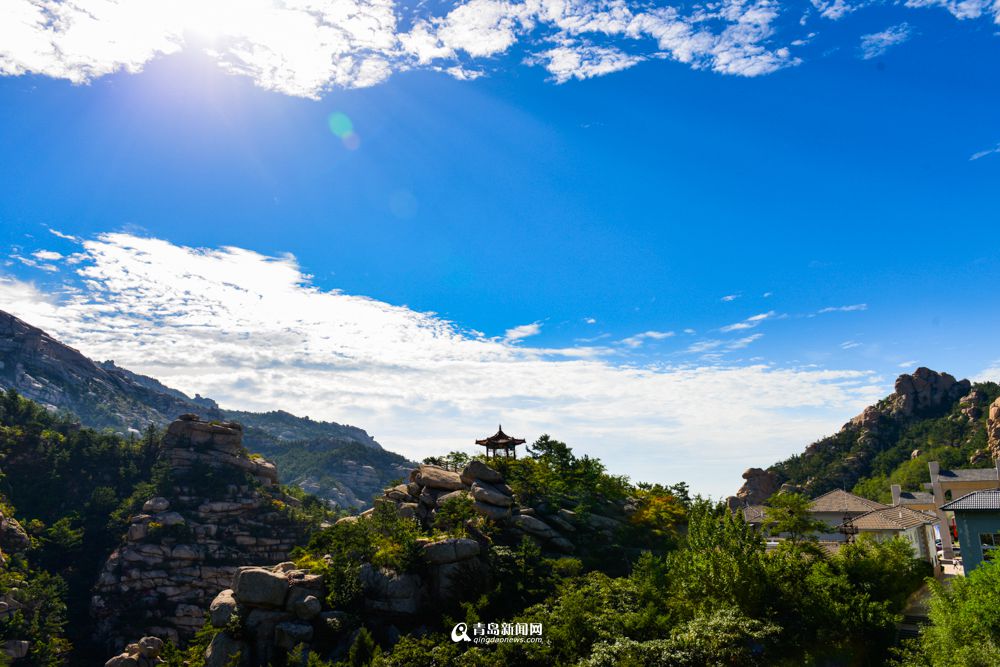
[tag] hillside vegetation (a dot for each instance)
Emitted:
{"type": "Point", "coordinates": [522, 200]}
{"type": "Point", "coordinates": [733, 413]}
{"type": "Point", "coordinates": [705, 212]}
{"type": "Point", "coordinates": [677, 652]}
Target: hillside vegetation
{"type": "Point", "coordinates": [891, 442]}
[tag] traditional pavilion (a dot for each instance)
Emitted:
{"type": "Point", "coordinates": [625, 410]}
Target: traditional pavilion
{"type": "Point", "coordinates": [501, 442]}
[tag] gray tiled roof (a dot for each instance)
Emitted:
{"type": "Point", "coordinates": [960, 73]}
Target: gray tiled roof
{"type": "Point", "coordinates": [892, 518]}
{"type": "Point", "coordinates": [987, 499]}
{"type": "Point", "coordinates": [755, 514]}
{"type": "Point", "coordinates": [839, 500]}
{"type": "Point", "coordinates": [916, 498]}
{"type": "Point", "coordinates": [969, 474]}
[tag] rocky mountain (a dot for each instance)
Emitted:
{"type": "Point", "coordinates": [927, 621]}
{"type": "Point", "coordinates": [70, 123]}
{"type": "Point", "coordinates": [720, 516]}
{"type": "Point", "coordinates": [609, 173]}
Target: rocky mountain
{"type": "Point", "coordinates": [340, 463]}
{"type": "Point", "coordinates": [929, 416]}
{"type": "Point", "coordinates": [217, 509]}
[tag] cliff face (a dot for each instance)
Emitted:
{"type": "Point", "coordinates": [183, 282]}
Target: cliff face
{"type": "Point", "coordinates": [220, 510]}
{"type": "Point", "coordinates": [843, 459]}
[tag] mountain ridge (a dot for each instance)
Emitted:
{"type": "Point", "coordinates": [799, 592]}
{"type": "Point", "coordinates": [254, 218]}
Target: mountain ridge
{"type": "Point", "coordinates": [350, 465]}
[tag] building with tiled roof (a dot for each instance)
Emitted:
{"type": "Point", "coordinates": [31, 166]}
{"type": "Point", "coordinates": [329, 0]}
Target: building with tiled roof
{"type": "Point", "coordinates": [977, 518]}
{"type": "Point", "coordinates": [947, 485]}
{"type": "Point", "coordinates": [888, 523]}
{"type": "Point", "coordinates": [842, 501]}
{"type": "Point", "coordinates": [917, 500]}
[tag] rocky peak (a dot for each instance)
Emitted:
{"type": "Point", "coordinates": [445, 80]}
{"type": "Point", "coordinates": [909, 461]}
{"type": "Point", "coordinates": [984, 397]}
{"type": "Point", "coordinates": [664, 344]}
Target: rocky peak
{"type": "Point", "coordinates": [924, 390]}
{"type": "Point", "coordinates": [221, 510]}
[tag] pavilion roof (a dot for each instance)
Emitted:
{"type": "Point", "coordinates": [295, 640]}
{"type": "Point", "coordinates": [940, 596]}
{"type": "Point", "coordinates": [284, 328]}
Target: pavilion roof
{"type": "Point", "coordinates": [500, 439]}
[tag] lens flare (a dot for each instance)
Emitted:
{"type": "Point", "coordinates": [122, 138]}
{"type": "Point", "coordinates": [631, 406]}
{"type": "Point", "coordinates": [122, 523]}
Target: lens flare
{"type": "Point", "coordinates": [341, 126]}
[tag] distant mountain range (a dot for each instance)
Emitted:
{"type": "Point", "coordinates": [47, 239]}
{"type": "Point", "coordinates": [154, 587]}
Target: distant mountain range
{"type": "Point", "coordinates": [334, 461]}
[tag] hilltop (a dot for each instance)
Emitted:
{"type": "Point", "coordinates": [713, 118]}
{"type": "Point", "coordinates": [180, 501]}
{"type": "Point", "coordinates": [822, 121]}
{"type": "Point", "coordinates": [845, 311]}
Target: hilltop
{"type": "Point", "coordinates": [338, 462]}
{"type": "Point", "coordinates": [930, 416]}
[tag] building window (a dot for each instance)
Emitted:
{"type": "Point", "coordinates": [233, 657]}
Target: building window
{"type": "Point", "coordinates": [991, 545]}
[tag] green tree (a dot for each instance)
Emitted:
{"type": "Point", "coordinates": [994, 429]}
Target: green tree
{"type": "Point", "coordinates": [363, 650]}
{"type": "Point", "coordinates": [964, 629]}
{"type": "Point", "coordinates": [788, 515]}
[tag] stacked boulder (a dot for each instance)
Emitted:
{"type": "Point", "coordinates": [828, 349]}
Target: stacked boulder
{"type": "Point", "coordinates": [430, 487]}
{"type": "Point", "coordinates": [143, 653]}
{"type": "Point", "coordinates": [266, 612]}
{"type": "Point", "coordinates": [223, 511]}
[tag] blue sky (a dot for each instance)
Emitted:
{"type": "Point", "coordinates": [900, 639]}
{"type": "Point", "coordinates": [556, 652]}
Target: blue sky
{"type": "Point", "coordinates": [780, 225]}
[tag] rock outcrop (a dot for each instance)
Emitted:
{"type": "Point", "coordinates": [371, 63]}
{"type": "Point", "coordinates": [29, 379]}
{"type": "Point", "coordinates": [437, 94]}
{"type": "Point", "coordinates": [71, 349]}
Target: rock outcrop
{"type": "Point", "coordinates": [758, 486]}
{"type": "Point", "coordinates": [222, 511]}
{"type": "Point", "coordinates": [430, 487]}
{"type": "Point", "coordinates": [924, 390]}
{"type": "Point", "coordinates": [267, 611]}
{"type": "Point", "coordinates": [13, 539]}
{"type": "Point", "coordinates": [143, 653]}
{"type": "Point", "coordinates": [993, 429]}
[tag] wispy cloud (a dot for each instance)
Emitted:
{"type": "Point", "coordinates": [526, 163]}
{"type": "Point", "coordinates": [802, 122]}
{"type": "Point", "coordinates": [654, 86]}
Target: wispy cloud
{"type": "Point", "coordinates": [843, 309]}
{"type": "Point", "coordinates": [523, 331]}
{"type": "Point", "coordinates": [47, 255]}
{"type": "Point", "coordinates": [877, 43]}
{"type": "Point", "coordinates": [255, 333]}
{"type": "Point", "coordinates": [34, 263]}
{"type": "Point", "coordinates": [730, 297]}
{"type": "Point", "coordinates": [638, 339]}
{"type": "Point", "coordinates": [716, 344]}
{"type": "Point", "coordinates": [982, 154]}
{"type": "Point", "coordinates": [909, 364]}
{"type": "Point", "coordinates": [849, 345]}
{"type": "Point", "coordinates": [748, 323]}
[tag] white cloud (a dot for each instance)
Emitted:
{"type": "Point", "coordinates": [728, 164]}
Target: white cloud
{"type": "Point", "coordinates": [909, 364]}
{"type": "Point", "coordinates": [34, 263]}
{"type": "Point", "coordinates": [730, 297]}
{"type": "Point", "coordinates": [522, 331]}
{"type": "Point", "coordinates": [68, 237]}
{"type": "Point", "coordinates": [640, 338]}
{"type": "Point", "coordinates": [981, 154]}
{"type": "Point", "coordinates": [836, 9]}
{"type": "Point", "coordinates": [584, 62]}
{"type": "Point", "coordinates": [849, 344]}
{"type": "Point", "coordinates": [306, 47]}
{"type": "Point", "coordinates": [877, 43]}
{"type": "Point", "coordinates": [748, 323]}
{"type": "Point", "coordinates": [47, 255]}
{"type": "Point", "coordinates": [961, 9]}
{"type": "Point", "coordinates": [590, 320]}
{"type": "Point", "coordinates": [741, 343]}
{"type": "Point", "coordinates": [253, 332]}
{"type": "Point", "coordinates": [843, 309]}
{"type": "Point", "coordinates": [990, 374]}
